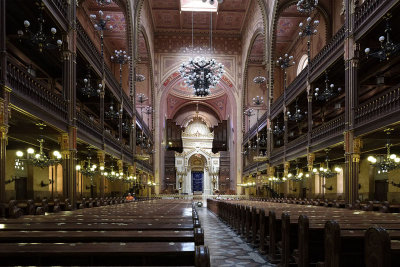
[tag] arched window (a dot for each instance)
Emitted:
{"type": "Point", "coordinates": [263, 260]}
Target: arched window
{"type": "Point", "coordinates": [302, 63]}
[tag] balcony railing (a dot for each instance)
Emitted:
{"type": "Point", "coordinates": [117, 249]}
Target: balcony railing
{"type": "Point", "coordinates": [26, 86]}
{"type": "Point", "coordinates": [328, 50]}
{"type": "Point", "coordinates": [145, 128]}
{"type": "Point", "coordinates": [366, 11]}
{"type": "Point", "coordinates": [277, 153]}
{"type": "Point", "coordinates": [112, 141]}
{"type": "Point", "coordinates": [276, 107]}
{"type": "Point", "coordinates": [88, 125]}
{"type": "Point", "coordinates": [297, 144]}
{"type": "Point", "coordinates": [59, 9]}
{"type": "Point", "coordinates": [253, 129]}
{"type": "Point", "coordinates": [328, 130]}
{"type": "Point", "coordinates": [296, 85]}
{"type": "Point", "coordinates": [88, 46]}
{"type": "Point", "coordinates": [378, 106]}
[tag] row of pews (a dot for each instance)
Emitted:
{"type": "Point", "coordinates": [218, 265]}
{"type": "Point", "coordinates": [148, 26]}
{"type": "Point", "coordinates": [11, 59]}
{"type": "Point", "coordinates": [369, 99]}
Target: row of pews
{"type": "Point", "coordinates": [302, 234]}
{"type": "Point", "coordinates": [15, 209]}
{"type": "Point", "coordinates": [150, 232]}
{"type": "Point", "coordinates": [381, 206]}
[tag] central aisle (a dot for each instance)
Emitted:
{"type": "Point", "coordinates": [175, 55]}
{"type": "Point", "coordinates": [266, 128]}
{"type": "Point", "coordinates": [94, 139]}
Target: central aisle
{"type": "Point", "coordinates": [226, 247]}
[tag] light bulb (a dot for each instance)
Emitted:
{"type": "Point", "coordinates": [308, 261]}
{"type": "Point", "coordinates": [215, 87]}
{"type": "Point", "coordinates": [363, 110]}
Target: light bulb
{"type": "Point", "coordinates": [78, 167]}
{"type": "Point", "coordinates": [53, 30]}
{"type": "Point", "coordinates": [30, 151]}
{"type": "Point", "coordinates": [19, 154]}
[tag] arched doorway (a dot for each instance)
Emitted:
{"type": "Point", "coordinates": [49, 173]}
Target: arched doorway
{"type": "Point", "coordinates": [197, 165]}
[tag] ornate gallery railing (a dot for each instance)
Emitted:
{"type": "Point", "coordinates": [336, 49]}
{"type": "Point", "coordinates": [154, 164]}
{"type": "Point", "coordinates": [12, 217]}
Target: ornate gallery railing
{"type": "Point", "coordinates": [35, 91]}
{"type": "Point", "coordinates": [378, 106]}
{"type": "Point", "coordinates": [88, 125]}
{"type": "Point", "coordinates": [328, 130]}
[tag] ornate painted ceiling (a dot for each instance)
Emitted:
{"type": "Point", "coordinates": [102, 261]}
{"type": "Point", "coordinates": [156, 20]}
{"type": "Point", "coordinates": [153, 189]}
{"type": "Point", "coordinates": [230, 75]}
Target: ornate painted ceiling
{"type": "Point", "coordinates": [167, 15]}
{"type": "Point", "coordinates": [288, 28]}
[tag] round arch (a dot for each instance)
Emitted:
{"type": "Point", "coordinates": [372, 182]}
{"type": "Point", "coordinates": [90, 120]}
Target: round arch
{"type": "Point", "coordinates": [279, 7]}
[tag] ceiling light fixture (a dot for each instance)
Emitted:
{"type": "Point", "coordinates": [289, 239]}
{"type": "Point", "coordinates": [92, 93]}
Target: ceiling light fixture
{"type": "Point", "coordinates": [200, 73]}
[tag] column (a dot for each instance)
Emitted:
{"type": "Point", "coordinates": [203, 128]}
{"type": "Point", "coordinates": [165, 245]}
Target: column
{"type": "Point", "coordinates": [310, 166]}
{"type": "Point", "coordinates": [352, 146]}
{"type": "Point", "coordinates": [101, 156]}
{"type": "Point", "coordinates": [286, 166]}
{"type": "Point", "coordinates": [68, 152]}
{"type": "Point", "coordinates": [352, 166]}
{"type": "Point", "coordinates": [120, 165]}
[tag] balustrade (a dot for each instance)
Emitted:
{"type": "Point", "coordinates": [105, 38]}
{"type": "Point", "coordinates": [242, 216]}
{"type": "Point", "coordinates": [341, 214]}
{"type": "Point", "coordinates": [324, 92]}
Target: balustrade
{"type": "Point", "coordinates": [112, 141]}
{"type": "Point", "coordinates": [378, 106]}
{"type": "Point", "coordinates": [297, 144]}
{"type": "Point", "coordinates": [366, 11]}
{"type": "Point", "coordinates": [88, 125]}
{"type": "Point", "coordinates": [35, 91]}
{"type": "Point", "coordinates": [328, 130]}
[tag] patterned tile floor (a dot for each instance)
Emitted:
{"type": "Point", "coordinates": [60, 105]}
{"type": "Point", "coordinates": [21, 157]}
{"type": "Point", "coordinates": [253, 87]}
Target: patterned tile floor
{"type": "Point", "coordinates": [226, 247]}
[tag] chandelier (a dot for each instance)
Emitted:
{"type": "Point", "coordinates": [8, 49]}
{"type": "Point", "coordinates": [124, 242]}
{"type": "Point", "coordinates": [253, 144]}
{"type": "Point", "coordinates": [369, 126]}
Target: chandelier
{"type": "Point", "coordinates": [388, 48]}
{"type": "Point", "coordinates": [139, 78]}
{"type": "Point", "coordinates": [328, 92]}
{"type": "Point", "coordinates": [212, 2]}
{"type": "Point", "coordinates": [201, 74]}
{"type": "Point", "coordinates": [278, 131]}
{"type": "Point", "coordinates": [103, 2]}
{"type": "Point", "coordinates": [277, 179]}
{"type": "Point", "coordinates": [325, 171]}
{"type": "Point", "coordinates": [309, 28]}
{"type": "Point", "coordinates": [259, 79]}
{"type": "Point", "coordinates": [127, 126]}
{"type": "Point", "coordinates": [40, 38]}
{"type": "Point", "coordinates": [299, 176]}
{"type": "Point", "coordinates": [39, 159]}
{"type": "Point", "coordinates": [388, 162]}
{"type": "Point", "coordinates": [88, 169]}
{"type": "Point", "coordinates": [87, 88]}
{"type": "Point", "coordinates": [298, 115]}
{"type": "Point", "coordinates": [112, 175]}
{"type": "Point", "coordinates": [112, 113]}
{"type": "Point", "coordinates": [306, 6]}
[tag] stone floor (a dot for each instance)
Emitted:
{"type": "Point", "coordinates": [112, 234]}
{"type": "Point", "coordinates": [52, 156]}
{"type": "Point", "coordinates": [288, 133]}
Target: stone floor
{"type": "Point", "coordinates": [226, 247]}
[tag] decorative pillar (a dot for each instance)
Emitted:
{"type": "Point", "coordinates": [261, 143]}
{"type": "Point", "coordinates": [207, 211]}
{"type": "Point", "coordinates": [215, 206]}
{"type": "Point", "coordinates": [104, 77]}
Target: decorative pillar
{"type": "Point", "coordinates": [101, 156]}
{"type": "Point", "coordinates": [352, 148]}
{"type": "Point", "coordinates": [120, 122]}
{"type": "Point", "coordinates": [120, 165]}
{"type": "Point", "coordinates": [352, 145]}
{"type": "Point", "coordinates": [286, 166]}
{"type": "Point", "coordinates": [68, 152]}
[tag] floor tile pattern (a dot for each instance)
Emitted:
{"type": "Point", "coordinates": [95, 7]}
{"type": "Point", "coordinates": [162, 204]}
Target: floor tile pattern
{"type": "Point", "coordinates": [226, 247]}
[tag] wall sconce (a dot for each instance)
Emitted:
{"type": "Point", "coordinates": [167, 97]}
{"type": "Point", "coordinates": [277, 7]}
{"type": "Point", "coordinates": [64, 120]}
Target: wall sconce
{"type": "Point", "coordinates": [394, 184]}
{"type": "Point", "coordinates": [42, 184]}
{"type": "Point", "coordinates": [327, 188]}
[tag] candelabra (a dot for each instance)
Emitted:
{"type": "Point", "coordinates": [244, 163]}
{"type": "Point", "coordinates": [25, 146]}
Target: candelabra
{"type": "Point", "coordinates": [328, 92]}
{"type": "Point", "coordinates": [127, 126]}
{"type": "Point", "coordinates": [307, 30]}
{"type": "Point", "coordinates": [284, 63]}
{"type": "Point", "coordinates": [40, 38]}
{"type": "Point", "coordinates": [121, 58]}
{"type": "Point", "coordinates": [306, 6]}
{"type": "Point", "coordinates": [388, 48]}
{"type": "Point", "coordinates": [100, 24]}
{"type": "Point", "coordinates": [87, 89]}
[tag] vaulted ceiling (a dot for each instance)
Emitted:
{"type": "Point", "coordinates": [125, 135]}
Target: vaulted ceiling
{"type": "Point", "coordinates": [167, 15]}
